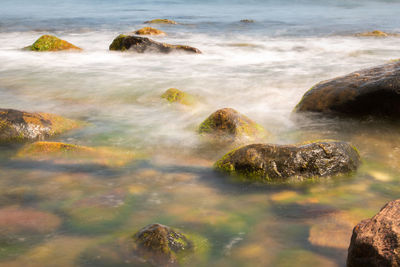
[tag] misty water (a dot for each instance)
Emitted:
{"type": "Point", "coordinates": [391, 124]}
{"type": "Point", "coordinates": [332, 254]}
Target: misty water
{"type": "Point", "coordinates": [261, 69]}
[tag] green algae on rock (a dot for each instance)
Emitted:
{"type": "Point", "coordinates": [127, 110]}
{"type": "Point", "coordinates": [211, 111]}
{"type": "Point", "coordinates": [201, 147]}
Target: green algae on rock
{"type": "Point", "coordinates": [161, 244]}
{"type": "Point", "coordinates": [161, 21]}
{"type": "Point", "coordinates": [368, 92]}
{"type": "Point", "coordinates": [269, 163]}
{"type": "Point", "coordinates": [146, 45]}
{"type": "Point", "coordinates": [74, 154]}
{"type": "Point", "coordinates": [20, 126]}
{"type": "Point", "coordinates": [51, 43]}
{"type": "Point", "coordinates": [149, 31]}
{"type": "Point", "coordinates": [229, 125]}
{"type": "Point", "coordinates": [173, 95]}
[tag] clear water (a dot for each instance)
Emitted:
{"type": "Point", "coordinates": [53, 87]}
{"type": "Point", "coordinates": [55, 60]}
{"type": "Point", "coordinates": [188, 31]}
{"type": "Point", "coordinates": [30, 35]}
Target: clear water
{"type": "Point", "coordinates": [261, 69]}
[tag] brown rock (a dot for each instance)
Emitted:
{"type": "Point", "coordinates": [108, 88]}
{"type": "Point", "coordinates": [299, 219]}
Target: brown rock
{"type": "Point", "coordinates": [374, 91]}
{"type": "Point", "coordinates": [149, 31]}
{"type": "Point", "coordinates": [376, 241]}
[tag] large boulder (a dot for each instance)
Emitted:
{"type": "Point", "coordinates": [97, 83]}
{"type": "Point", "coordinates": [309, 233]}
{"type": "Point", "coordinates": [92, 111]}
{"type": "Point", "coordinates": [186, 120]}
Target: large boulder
{"type": "Point", "coordinates": [51, 43]}
{"type": "Point", "coordinates": [268, 162]}
{"type": "Point", "coordinates": [161, 244]}
{"type": "Point", "coordinates": [376, 241]}
{"type": "Point", "coordinates": [229, 125]}
{"type": "Point", "coordinates": [374, 91]}
{"type": "Point", "coordinates": [145, 45]}
{"type": "Point", "coordinates": [19, 126]}
{"type": "Point", "coordinates": [149, 31]}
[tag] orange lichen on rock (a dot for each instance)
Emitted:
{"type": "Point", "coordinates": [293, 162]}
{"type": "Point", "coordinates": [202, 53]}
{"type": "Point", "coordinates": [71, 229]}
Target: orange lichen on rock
{"type": "Point", "coordinates": [149, 31]}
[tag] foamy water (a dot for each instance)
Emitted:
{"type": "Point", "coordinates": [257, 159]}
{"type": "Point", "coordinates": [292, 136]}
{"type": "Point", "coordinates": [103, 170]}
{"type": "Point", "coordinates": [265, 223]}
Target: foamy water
{"type": "Point", "coordinates": [261, 69]}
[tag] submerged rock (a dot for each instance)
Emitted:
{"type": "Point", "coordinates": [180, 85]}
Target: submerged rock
{"type": "Point", "coordinates": [375, 33]}
{"type": "Point", "coordinates": [19, 126]}
{"type": "Point", "coordinates": [145, 45]}
{"type": "Point", "coordinates": [375, 241]}
{"type": "Point", "coordinates": [268, 162]}
{"type": "Point", "coordinates": [374, 91]}
{"type": "Point", "coordinates": [149, 31]}
{"type": "Point", "coordinates": [229, 125]}
{"type": "Point", "coordinates": [173, 95]}
{"type": "Point", "coordinates": [247, 21]}
{"type": "Point", "coordinates": [161, 243]}
{"type": "Point", "coordinates": [14, 220]}
{"type": "Point", "coordinates": [161, 21]}
{"type": "Point", "coordinates": [74, 154]}
{"type": "Point", "coordinates": [51, 43]}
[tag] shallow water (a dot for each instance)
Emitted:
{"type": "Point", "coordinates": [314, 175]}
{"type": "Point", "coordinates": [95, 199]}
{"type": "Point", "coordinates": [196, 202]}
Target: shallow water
{"type": "Point", "coordinates": [260, 69]}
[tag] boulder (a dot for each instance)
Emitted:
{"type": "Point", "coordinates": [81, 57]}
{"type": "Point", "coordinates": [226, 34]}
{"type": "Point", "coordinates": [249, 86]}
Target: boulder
{"type": "Point", "coordinates": [173, 95]}
{"type": "Point", "coordinates": [161, 21]}
{"type": "Point", "coordinates": [369, 92]}
{"type": "Point", "coordinates": [161, 244]}
{"type": "Point", "coordinates": [19, 126]}
{"type": "Point", "coordinates": [51, 43]}
{"type": "Point", "coordinates": [149, 31]}
{"type": "Point", "coordinates": [375, 241]}
{"type": "Point", "coordinates": [247, 21]}
{"type": "Point", "coordinates": [268, 162]}
{"type": "Point", "coordinates": [229, 125]}
{"type": "Point", "coordinates": [145, 45]}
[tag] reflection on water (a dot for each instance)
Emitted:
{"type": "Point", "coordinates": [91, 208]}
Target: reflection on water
{"type": "Point", "coordinates": [146, 163]}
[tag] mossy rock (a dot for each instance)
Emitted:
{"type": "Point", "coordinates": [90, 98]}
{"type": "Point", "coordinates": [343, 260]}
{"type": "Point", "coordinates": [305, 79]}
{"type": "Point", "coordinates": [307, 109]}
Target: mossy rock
{"type": "Point", "coordinates": [173, 95]}
{"type": "Point", "coordinates": [20, 126]}
{"type": "Point", "coordinates": [229, 125]}
{"type": "Point", "coordinates": [98, 214]}
{"type": "Point", "coordinates": [162, 245]}
{"type": "Point", "coordinates": [74, 154]}
{"type": "Point", "coordinates": [145, 45]}
{"type": "Point", "coordinates": [161, 21]}
{"type": "Point", "coordinates": [51, 43]}
{"type": "Point", "coordinates": [364, 93]}
{"type": "Point", "coordinates": [149, 247]}
{"type": "Point", "coordinates": [287, 163]}
{"type": "Point", "coordinates": [149, 31]}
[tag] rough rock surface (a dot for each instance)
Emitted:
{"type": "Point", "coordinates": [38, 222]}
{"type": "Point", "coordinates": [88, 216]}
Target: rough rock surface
{"type": "Point", "coordinates": [145, 45]}
{"type": "Point", "coordinates": [19, 126]}
{"type": "Point", "coordinates": [375, 241]}
{"type": "Point", "coordinates": [228, 124]}
{"type": "Point", "coordinates": [160, 243]}
{"type": "Point", "coordinates": [374, 91]}
{"type": "Point", "coordinates": [149, 31]}
{"type": "Point", "coordinates": [268, 162]}
{"type": "Point", "coordinates": [51, 43]}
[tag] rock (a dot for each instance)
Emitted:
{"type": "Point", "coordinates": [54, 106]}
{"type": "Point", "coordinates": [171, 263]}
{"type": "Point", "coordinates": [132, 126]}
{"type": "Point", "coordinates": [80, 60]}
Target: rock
{"type": "Point", "coordinates": [268, 162]}
{"type": "Point", "coordinates": [375, 34]}
{"type": "Point", "coordinates": [160, 21]}
{"type": "Point", "coordinates": [51, 43]}
{"type": "Point", "coordinates": [247, 21]}
{"type": "Point", "coordinates": [375, 241]}
{"type": "Point", "coordinates": [145, 45]}
{"type": "Point", "coordinates": [173, 95]}
{"type": "Point", "coordinates": [161, 244]}
{"type": "Point", "coordinates": [229, 125]}
{"type": "Point", "coordinates": [74, 154]}
{"type": "Point", "coordinates": [14, 220]}
{"type": "Point", "coordinates": [369, 92]}
{"type": "Point", "coordinates": [149, 31]}
{"type": "Point", "coordinates": [19, 126]}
